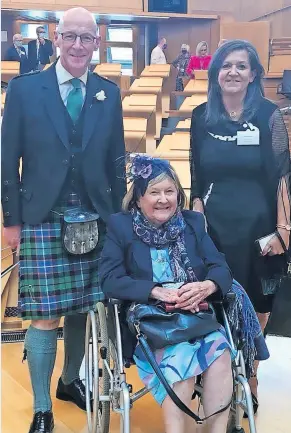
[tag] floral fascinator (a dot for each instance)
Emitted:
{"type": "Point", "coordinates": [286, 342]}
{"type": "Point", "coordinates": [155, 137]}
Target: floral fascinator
{"type": "Point", "coordinates": [143, 168]}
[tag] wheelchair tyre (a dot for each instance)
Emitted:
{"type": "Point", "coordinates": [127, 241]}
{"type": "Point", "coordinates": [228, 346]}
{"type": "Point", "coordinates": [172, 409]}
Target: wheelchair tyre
{"type": "Point", "coordinates": [96, 333]}
{"type": "Point", "coordinates": [238, 431]}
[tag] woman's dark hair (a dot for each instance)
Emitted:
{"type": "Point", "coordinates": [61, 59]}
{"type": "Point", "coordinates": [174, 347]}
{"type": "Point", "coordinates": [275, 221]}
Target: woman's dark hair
{"type": "Point", "coordinates": [215, 110]}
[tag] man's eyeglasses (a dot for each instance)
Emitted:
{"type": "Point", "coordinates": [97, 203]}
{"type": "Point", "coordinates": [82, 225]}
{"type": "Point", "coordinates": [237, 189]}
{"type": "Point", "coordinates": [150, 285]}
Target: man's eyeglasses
{"type": "Point", "coordinates": [85, 39]}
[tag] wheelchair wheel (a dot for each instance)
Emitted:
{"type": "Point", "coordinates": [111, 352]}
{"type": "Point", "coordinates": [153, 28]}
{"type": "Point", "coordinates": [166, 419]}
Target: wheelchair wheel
{"type": "Point", "coordinates": [96, 352]}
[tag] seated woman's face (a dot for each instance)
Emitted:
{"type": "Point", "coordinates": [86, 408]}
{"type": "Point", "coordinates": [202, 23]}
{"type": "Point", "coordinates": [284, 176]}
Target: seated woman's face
{"type": "Point", "coordinates": [159, 202]}
{"type": "Point", "coordinates": [236, 74]}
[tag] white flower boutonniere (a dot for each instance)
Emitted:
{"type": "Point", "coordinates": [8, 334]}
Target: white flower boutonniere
{"type": "Point", "coordinates": [100, 96]}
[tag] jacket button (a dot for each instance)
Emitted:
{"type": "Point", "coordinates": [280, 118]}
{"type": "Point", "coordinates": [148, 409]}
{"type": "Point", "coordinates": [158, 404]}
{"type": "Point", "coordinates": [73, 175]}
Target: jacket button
{"type": "Point", "coordinates": [65, 162]}
{"type": "Point", "coordinates": [6, 182]}
{"type": "Point", "coordinates": [7, 214]}
{"type": "Point", "coordinates": [6, 198]}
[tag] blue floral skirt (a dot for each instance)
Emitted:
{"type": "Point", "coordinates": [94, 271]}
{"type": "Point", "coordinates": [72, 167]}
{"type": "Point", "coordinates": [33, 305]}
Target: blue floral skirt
{"type": "Point", "coordinates": [181, 361]}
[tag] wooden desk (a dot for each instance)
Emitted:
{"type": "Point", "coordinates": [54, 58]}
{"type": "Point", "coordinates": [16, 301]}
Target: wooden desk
{"type": "Point", "coordinates": [184, 124]}
{"type": "Point", "coordinates": [192, 101]}
{"type": "Point", "coordinates": [178, 141]}
{"type": "Point", "coordinates": [168, 73]}
{"type": "Point", "coordinates": [9, 69]}
{"type": "Point", "coordinates": [143, 106]}
{"type": "Point", "coordinates": [153, 86]}
{"type": "Point", "coordinates": [112, 71]}
{"type": "Point", "coordinates": [197, 86]}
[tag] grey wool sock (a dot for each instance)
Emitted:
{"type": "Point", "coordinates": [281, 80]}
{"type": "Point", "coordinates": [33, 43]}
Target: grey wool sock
{"type": "Point", "coordinates": [74, 341]}
{"type": "Point", "coordinates": [41, 348]}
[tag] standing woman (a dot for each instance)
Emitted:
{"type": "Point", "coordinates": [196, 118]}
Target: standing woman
{"type": "Point", "coordinates": [201, 60]}
{"type": "Point", "coordinates": [240, 169]}
{"type": "Point", "coordinates": [181, 64]}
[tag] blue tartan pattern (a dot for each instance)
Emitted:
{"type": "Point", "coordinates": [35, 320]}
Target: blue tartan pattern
{"type": "Point", "coordinates": [53, 283]}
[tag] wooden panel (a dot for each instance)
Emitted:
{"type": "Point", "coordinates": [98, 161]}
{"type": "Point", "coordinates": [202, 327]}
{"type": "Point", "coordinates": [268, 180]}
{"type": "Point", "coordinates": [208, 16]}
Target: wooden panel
{"type": "Point", "coordinates": [258, 33]}
{"type": "Point", "coordinates": [104, 5]}
{"type": "Point", "coordinates": [279, 63]}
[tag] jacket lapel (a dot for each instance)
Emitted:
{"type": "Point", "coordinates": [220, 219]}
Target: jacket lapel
{"type": "Point", "coordinates": [142, 258]}
{"type": "Point", "coordinates": [94, 109]}
{"type": "Point", "coordinates": [54, 104]}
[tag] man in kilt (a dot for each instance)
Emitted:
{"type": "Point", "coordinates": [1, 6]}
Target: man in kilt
{"type": "Point", "coordinates": [65, 125]}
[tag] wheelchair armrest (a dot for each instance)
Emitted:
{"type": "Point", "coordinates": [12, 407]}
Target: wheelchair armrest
{"type": "Point", "coordinates": [230, 296]}
{"type": "Point", "coordinates": [114, 301]}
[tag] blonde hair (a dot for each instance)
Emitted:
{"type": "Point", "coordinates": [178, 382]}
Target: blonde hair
{"type": "Point", "coordinates": [131, 198]}
{"type": "Point", "coordinates": [200, 45]}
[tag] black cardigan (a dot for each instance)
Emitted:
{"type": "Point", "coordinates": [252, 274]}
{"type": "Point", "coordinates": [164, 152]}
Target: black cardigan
{"type": "Point", "coordinates": [275, 164]}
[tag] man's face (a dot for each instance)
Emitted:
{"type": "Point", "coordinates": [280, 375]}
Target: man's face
{"type": "Point", "coordinates": [77, 41]}
{"type": "Point", "coordinates": [41, 33]}
{"type": "Point", "coordinates": [18, 41]}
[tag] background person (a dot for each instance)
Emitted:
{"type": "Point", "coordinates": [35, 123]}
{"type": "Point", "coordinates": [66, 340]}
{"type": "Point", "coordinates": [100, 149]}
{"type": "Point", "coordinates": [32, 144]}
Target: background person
{"type": "Point", "coordinates": [17, 53]}
{"type": "Point", "coordinates": [181, 64]}
{"type": "Point", "coordinates": [39, 50]}
{"type": "Point", "coordinates": [201, 60]}
{"type": "Point", "coordinates": [158, 54]}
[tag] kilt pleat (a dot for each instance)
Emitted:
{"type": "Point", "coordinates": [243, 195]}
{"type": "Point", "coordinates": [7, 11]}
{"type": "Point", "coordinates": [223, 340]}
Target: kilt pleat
{"type": "Point", "coordinates": [52, 282]}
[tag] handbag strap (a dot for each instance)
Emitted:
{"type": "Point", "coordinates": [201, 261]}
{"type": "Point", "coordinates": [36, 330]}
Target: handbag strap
{"type": "Point", "coordinates": [151, 359]}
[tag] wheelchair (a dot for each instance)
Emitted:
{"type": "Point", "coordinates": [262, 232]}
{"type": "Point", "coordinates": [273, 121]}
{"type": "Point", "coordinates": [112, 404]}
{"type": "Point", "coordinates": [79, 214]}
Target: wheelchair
{"type": "Point", "coordinates": [105, 364]}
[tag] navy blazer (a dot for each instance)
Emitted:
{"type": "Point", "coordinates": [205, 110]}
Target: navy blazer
{"type": "Point", "coordinates": [12, 55]}
{"type": "Point", "coordinates": [34, 128]}
{"type": "Point", "coordinates": [45, 51]}
{"type": "Point", "coordinates": [126, 267]}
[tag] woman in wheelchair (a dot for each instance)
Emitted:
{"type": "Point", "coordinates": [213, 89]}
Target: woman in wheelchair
{"type": "Point", "coordinates": [153, 241]}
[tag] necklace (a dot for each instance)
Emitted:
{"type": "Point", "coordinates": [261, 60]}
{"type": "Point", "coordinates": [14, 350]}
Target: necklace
{"type": "Point", "coordinates": [235, 115]}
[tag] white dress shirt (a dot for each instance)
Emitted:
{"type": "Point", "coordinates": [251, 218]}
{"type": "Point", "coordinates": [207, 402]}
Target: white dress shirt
{"type": "Point", "coordinates": [64, 77]}
{"type": "Point", "coordinates": [158, 57]}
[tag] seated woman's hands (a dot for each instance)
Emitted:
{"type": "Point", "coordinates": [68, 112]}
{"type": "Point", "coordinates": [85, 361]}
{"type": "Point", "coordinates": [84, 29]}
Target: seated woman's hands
{"type": "Point", "coordinates": [170, 296]}
{"type": "Point", "coordinates": [190, 295]}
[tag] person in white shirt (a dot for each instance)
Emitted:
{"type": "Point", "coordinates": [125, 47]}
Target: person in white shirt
{"type": "Point", "coordinates": [158, 56]}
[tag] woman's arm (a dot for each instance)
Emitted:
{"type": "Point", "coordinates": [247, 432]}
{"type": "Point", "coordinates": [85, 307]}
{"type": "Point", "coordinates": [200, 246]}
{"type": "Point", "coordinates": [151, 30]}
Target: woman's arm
{"type": "Point", "coordinates": [280, 145]}
{"type": "Point", "coordinates": [190, 68]}
{"type": "Point", "coordinates": [195, 193]}
{"type": "Point", "coordinates": [114, 280]}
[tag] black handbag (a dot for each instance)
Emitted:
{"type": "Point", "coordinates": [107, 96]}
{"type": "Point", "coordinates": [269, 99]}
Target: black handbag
{"type": "Point", "coordinates": [163, 328]}
{"type": "Point", "coordinates": [280, 318]}
{"type": "Point", "coordinates": [80, 232]}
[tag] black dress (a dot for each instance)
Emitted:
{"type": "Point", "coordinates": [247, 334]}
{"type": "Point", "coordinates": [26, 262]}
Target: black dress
{"type": "Point", "coordinates": [231, 181]}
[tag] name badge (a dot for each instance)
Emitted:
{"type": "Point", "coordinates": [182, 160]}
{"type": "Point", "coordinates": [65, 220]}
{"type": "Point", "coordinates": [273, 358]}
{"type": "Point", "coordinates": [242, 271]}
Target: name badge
{"type": "Point", "coordinates": [248, 138]}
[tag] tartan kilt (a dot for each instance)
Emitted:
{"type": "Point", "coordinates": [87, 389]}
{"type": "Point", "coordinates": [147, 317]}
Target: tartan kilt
{"type": "Point", "coordinates": [52, 282]}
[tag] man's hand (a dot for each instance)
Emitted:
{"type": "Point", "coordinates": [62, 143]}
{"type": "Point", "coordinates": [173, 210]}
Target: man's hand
{"type": "Point", "coordinates": [12, 236]}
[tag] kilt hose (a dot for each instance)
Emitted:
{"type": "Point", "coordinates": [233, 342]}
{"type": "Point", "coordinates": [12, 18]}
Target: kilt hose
{"type": "Point", "coordinates": [52, 282]}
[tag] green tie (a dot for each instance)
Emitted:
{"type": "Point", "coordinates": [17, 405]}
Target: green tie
{"type": "Point", "coordinates": [75, 100]}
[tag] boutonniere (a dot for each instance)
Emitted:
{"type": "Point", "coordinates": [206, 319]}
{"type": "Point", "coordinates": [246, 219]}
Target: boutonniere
{"type": "Point", "coordinates": [100, 96]}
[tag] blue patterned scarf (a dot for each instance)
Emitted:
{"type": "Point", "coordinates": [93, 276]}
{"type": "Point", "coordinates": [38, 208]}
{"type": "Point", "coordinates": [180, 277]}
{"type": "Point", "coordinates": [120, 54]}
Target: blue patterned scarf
{"type": "Point", "coordinates": [243, 320]}
{"type": "Point", "coordinates": [170, 235]}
